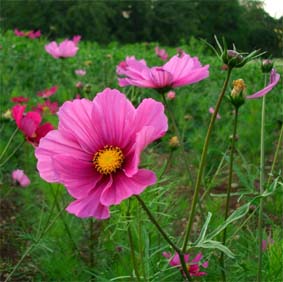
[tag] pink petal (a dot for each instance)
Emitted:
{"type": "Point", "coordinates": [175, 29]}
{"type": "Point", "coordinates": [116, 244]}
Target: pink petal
{"type": "Point", "coordinates": [160, 77]}
{"type": "Point", "coordinates": [17, 114]}
{"type": "Point", "coordinates": [90, 205]}
{"type": "Point", "coordinates": [56, 143]}
{"type": "Point", "coordinates": [79, 176]}
{"type": "Point", "coordinates": [167, 255]}
{"type": "Point", "coordinates": [19, 176]}
{"type": "Point", "coordinates": [30, 123]}
{"type": "Point", "coordinates": [53, 49]}
{"type": "Point", "coordinates": [124, 187]}
{"type": "Point", "coordinates": [75, 119]}
{"type": "Point", "coordinates": [175, 261]}
{"type": "Point", "coordinates": [274, 79]}
{"type": "Point", "coordinates": [205, 264]}
{"type": "Point", "coordinates": [197, 258]}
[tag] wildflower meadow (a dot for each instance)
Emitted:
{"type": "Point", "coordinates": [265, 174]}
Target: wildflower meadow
{"type": "Point", "coordinates": [139, 162]}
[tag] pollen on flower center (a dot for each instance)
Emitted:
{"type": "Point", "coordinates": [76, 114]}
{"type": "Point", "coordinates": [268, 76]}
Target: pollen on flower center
{"type": "Point", "coordinates": [239, 84]}
{"type": "Point", "coordinates": [108, 160]}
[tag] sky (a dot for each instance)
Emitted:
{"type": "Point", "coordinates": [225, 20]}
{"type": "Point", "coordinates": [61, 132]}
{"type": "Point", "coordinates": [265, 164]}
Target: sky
{"type": "Point", "coordinates": [274, 8]}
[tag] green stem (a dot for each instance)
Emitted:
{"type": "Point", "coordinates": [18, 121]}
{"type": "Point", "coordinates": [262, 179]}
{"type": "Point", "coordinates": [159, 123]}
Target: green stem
{"type": "Point", "coordinates": [91, 242]}
{"type": "Point", "coordinates": [279, 145]}
{"type": "Point", "coordinates": [168, 162]}
{"type": "Point", "coordinates": [8, 144]}
{"type": "Point", "coordinates": [132, 247]}
{"type": "Point", "coordinates": [229, 191]}
{"type": "Point", "coordinates": [261, 186]}
{"type": "Point", "coordinates": [202, 161]}
{"type": "Point", "coordinates": [12, 154]}
{"type": "Point", "coordinates": [165, 236]}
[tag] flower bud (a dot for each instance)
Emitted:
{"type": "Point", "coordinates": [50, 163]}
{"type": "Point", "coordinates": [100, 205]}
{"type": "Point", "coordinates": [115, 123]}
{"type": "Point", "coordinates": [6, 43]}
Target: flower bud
{"type": "Point", "coordinates": [174, 142]}
{"type": "Point", "coordinates": [266, 65]}
{"type": "Point", "coordinates": [171, 95]}
{"type": "Point", "coordinates": [87, 88]}
{"type": "Point", "coordinates": [238, 94]}
{"type": "Point", "coordinates": [232, 58]}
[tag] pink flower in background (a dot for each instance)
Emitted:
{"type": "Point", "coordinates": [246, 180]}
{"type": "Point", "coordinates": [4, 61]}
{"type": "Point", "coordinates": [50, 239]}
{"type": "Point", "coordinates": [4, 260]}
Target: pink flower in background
{"type": "Point", "coordinates": [96, 150]}
{"type": "Point", "coordinates": [80, 72]}
{"type": "Point", "coordinates": [211, 110]}
{"type": "Point", "coordinates": [29, 124]}
{"type": "Point", "coordinates": [30, 34]}
{"type": "Point", "coordinates": [267, 243]}
{"type": "Point", "coordinates": [19, 177]}
{"type": "Point", "coordinates": [161, 53]}
{"type": "Point", "coordinates": [79, 84]}
{"type": "Point", "coordinates": [48, 92]}
{"type": "Point", "coordinates": [171, 95]}
{"type": "Point", "coordinates": [65, 49]}
{"type": "Point", "coordinates": [77, 39]}
{"type": "Point", "coordinates": [273, 80]}
{"type": "Point", "coordinates": [19, 99]}
{"type": "Point", "coordinates": [193, 265]}
{"type": "Point", "coordinates": [46, 106]}
{"type": "Point", "coordinates": [18, 32]}
{"type": "Point", "coordinates": [178, 71]}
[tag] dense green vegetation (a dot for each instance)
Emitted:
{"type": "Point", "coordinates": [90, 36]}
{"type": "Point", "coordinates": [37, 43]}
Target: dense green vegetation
{"type": "Point", "coordinates": [57, 246]}
{"type": "Point", "coordinates": [128, 21]}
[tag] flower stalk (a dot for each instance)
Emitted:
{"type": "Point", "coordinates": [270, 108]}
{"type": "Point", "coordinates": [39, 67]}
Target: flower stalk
{"type": "Point", "coordinates": [202, 161]}
{"type": "Point", "coordinates": [229, 190]}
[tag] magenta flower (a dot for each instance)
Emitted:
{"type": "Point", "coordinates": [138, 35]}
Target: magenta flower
{"type": "Point", "coordinates": [273, 80]}
{"type": "Point", "coordinates": [161, 53]}
{"type": "Point", "coordinates": [47, 106]}
{"type": "Point", "coordinates": [96, 150]}
{"type": "Point", "coordinates": [19, 177]}
{"type": "Point", "coordinates": [29, 124]}
{"type": "Point", "coordinates": [211, 110]}
{"type": "Point", "coordinates": [30, 34]}
{"type": "Point", "coordinates": [80, 72]}
{"type": "Point", "coordinates": [19, 99]}
{"type": "Point", "coordinates": [76, 39]}
{"type": "Point", "coordinates": [65, 49]}
{"type": "Point", "coordinates": [48, 92]}
{"type": "Point", "coordinates": [18, 32]}
{"type": "Point", "coordinates": [193, 266]}
{"type": "Point", "coordinates": [178, 71]}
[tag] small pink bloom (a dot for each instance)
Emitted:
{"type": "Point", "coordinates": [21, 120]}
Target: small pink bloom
{"type": "Point", "coordinates": [178, 71]}
{"type": "Point", "coordinates": [48, 92]}
{"type": "Point", "coordinates": [47, 105]}
{"type": "Point", "coordinates": [267, 243]}
{"type": "Point", "coordinates": [34, 34]}
{"type": "Point", "coordinates": [77, 39]}
{"type": "Point", "coordinates": [171, 95]}
{"type": "Point", "coordinates": [161, 53]}
{"type": "Point", "coordinates": [211, 110]}
{"type": "Point", "coordinates": [19, 99]}
{"type": "Point", "coordinates": [19, 177]}
{"type": "Point", "coordinates": [96, 150]}
{"type": "Point", "coordinates": [79, 84]}
{"type": "Point", "coordinates": [80, 72]}
{"type": "Point", "coordinates": [193, 266]}
{"type": "Point", "coordinates": [65, 49]}
{"type": "Point", "coordinates": [273, 80]}
{"type": "Point", "coordinates": [18, 32]}
{"type": "Point", "coordinates": [29, 124]}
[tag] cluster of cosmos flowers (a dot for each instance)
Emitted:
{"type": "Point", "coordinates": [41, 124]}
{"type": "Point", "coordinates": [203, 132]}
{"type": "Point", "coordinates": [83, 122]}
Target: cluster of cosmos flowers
{"type": "Point", "coordinates": [96, 150]}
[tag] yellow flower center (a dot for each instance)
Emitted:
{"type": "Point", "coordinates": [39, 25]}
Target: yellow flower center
{"type": "Point", "coordinates": [238, 87]}
{"type": "Point", "coordinates": [108, 160]}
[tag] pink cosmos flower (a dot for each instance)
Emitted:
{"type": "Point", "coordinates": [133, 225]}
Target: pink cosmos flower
{"type": "Point", "coordinates": [178, 71]}
{"type": "Point", "coordinates": [17, 32]}
{"type": "Point", "coordinates": [211, 110]}
{"type": "Point", "coordinates": [19, 177]}
{"type": "Point", "coordinates": [52, 107]}
{"type": "Point", "coordinates": [80, 72]}
{"type": "Point", "coordinates": [171, 95]}
{"type": "Point", "coordinates": [19, 99]}
{"type": "Point", "coordinates": [76, 39]}
{"type": "Point", "coordinates": [65, 49]}
{"type": "Point", "coordinates": [48, 92]}
{"type": "Point", "coordinates": [34, 34]}
{"type": "Point", "coordinates": [273, 80]}
{"type": "Point", "coordinates": [96, 150]}
{"type": "Point", "coordinates": [29, 124]}
{"type": "Point", "coordinates": [193, 265]}
{"type": "Point", "coordinates": [161, 53]}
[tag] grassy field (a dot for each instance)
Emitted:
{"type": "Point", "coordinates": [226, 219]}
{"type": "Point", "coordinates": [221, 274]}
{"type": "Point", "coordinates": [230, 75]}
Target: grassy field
{"type": "Point", "coordinates": [42, 242]}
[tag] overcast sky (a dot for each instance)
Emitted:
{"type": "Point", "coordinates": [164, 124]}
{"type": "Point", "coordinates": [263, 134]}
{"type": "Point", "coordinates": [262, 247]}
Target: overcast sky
{"type": "Point", "coordinates": [274, 8]}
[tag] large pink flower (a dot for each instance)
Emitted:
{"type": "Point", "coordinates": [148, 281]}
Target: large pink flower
{"type": "Point", "coordinates": [178, 71]}
{"type": "Point", "coordinates": [273, 80]}
{"type": "Point", "coordinates": [193, 265]}
{"type": "Point", "coordinates": [29, 124]}
{"type": "Point", "coordinates": [65, 49]}
{"type": "Point", "coordinates": [96, 150]}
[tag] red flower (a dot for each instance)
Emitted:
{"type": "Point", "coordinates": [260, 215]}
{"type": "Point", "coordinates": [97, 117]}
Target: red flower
{"type": "Point", "coordinates": [48, 92]}
{"type": "Point", "coordinates": [52, 107]}
{"type": "Point", "coordinates": [19, 99]}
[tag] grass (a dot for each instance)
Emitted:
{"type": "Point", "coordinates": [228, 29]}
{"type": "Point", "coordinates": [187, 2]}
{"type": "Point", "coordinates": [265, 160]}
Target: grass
{"type": "Point", "coordinates": [74, 249]}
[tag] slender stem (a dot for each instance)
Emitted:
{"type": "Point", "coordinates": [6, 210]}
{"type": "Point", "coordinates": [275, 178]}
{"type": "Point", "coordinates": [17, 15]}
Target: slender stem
{"type": "Point", "coordinates": [12, 154]}
{"type": "Point", "coordinates": [132, 247]}
{"type": "Point", "coordinates": [8, 144]}
{"type": "Point", "coordinates": [229, 191]}
{"type": "Point", "coordinates": [168, 162]}
{"type": "Point", "coordinates": [165, 236]}
{"type": "Point", "coordinates": [202, 161]}
{"type": "Point", "coordinates": [261, 186]}
{"type": "Point", "coordinates": [279, 145]}
{"type": "Point", "coordinates": [154, 221]}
